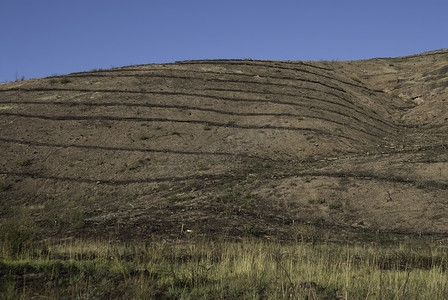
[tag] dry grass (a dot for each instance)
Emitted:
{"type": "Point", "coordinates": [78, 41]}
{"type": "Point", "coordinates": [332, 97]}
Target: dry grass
{"type": "Point", "coordinates": [250, 269]}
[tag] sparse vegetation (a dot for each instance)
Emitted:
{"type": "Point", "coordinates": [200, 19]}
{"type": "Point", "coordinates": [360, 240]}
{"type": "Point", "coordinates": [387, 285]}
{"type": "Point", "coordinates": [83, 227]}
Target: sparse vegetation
{"type": "Point", "coordinates": [203, 167]}
{"type": "Point", "coordinates": [137, 164]}
{"type": "Point", "coordinates": [339, 130]}
{"type": "Point", "coordinates": [394, 95]}
{"type": "Point", "coordinates": [19, 78]}
{"type": "Point", "coordinates": [356, 79]}
{"type": "Point", "coordinates": [259, 166]}
{"type": "Point", "coordinates": [337, 204]}
{"type": "Point", "coordinates": [180, 197]}
{"type": "Point", "coordinates": [420, 185]}
{"type": "Point", "coordinates": [310, 138]}
{"type": "Point", "coordinates": [228, 195]}
{"type": "Point", "coordinates": [24, 162]}
{"type": "Point", "coordinates": [318, 200]}
{"type": "Point", "coordinates": [248, 200]}
{"type": "Point", "coordinates": [4, 186]}
{"type": "Point", "coordinates": [65, 80]}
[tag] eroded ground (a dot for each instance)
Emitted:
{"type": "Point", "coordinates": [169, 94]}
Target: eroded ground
{"type": "Point", "coordinates": [229, 148]}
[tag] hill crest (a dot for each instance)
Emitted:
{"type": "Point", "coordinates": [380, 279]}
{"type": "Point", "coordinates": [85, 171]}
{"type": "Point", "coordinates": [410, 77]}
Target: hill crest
{"type": "Point", "coordinates": [230, 147]}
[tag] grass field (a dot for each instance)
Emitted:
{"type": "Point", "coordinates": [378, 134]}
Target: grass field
{"type": "Point", "coordinates": [195, 268]}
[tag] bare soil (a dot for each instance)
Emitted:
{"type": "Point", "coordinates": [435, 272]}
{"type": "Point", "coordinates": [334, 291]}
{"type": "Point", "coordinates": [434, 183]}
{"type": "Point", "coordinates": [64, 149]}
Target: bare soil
{"type": "Point", "coordinates": [230, 148]}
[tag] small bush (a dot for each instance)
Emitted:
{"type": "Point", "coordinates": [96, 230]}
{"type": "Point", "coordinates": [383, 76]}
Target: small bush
{"type": "Point", "coordinates": [335, 205]}
{"type": "Point", "coordinates": [18, 78]}
{"type": "Point", "coordinates": [318, 200]}
{"type": "Point", "coordinates": [24, 162]}
{"type": "Point", "coordinates": [420, 185]}
{"type": "Point", "coordinates": [356, 79]}
{"type": "Point", "coordinates": [310, 138]}
{"type": "Point", "coordinates": [4, 186]}
{"type": "Point", "coordinates": [202, 167]}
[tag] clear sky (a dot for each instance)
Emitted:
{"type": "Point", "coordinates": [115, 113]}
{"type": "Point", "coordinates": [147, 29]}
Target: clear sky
{"type": "Point", "coordinates": [47, 37]}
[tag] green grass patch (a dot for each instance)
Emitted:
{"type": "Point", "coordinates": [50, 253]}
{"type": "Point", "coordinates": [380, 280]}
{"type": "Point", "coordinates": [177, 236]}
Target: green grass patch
{"type": "Point", "coordinates": [24, 162]}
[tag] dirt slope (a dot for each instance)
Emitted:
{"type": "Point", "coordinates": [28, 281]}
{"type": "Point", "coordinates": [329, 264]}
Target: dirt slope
{"type": "Point", "coordinates": [229, 147]}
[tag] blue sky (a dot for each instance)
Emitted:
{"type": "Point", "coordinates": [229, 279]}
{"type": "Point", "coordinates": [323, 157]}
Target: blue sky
{"type": "Point", "coordinates": [47, 37]}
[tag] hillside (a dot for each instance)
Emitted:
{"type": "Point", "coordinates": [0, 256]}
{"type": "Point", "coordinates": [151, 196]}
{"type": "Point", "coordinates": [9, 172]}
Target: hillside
{"type": "Point", "coordinates": [229, 148]}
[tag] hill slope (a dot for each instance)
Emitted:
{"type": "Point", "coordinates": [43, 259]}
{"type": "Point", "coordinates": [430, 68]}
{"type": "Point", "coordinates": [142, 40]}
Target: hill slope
{"type": "Point", "coordinates": [229, 147]}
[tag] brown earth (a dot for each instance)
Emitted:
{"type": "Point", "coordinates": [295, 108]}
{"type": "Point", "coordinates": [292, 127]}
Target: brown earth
{"type": "Point", "coordinates": [229, 148]}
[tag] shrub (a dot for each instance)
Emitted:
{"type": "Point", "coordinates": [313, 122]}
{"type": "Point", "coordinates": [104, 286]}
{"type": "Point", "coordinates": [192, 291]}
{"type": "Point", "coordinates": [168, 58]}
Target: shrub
{"type": "Point", "coordinates": [356, 79]}
{"type": "Point", "coordinates": [24, 162]}
{"type": "Point", "coordinates": [4, 186]}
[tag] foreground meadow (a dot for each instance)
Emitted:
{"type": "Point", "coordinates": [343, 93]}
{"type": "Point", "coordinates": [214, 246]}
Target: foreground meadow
{"type": "Point", "coordinates": [195, 268]}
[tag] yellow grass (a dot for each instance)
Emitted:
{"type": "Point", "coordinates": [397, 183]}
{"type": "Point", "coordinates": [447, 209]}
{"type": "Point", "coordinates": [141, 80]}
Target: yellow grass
{"type": "Point", "coordinates": [249, 269]}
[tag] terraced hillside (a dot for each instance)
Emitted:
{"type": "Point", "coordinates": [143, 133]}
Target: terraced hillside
{"type": "Point", "coordinates": [229, 148]}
